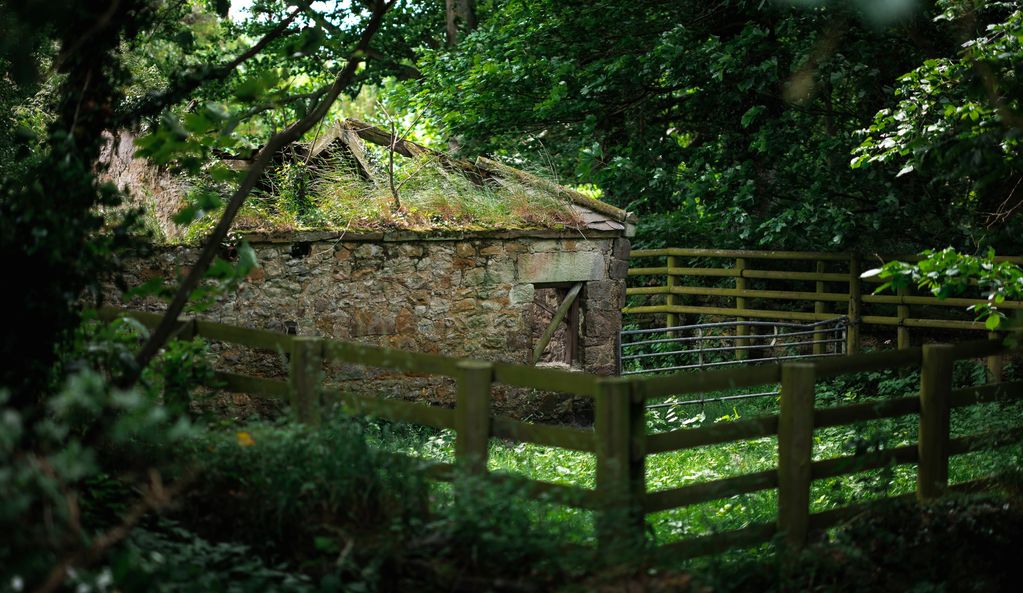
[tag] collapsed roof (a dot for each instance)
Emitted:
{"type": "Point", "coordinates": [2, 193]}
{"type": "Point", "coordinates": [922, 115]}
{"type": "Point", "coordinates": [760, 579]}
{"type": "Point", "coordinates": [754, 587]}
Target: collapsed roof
{"type": "Point", "coordinates": [341, 154]}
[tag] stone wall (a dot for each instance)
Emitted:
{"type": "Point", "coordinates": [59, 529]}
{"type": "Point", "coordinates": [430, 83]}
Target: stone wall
{"type": "Point", "coordinates": [158, 193]}
{"type": "Point", "coordinates": [471, 296]}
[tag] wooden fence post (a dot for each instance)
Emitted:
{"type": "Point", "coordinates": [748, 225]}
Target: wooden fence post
{"type": "Point", "coordinates": [935, 390]}
{"type": "Point", "coordinates": [740, 304]}
{"type": "Point", "coordinates": [620, 427]}
{"type": "Point", "coordinates": [795, 448]}
{"type": "Point", "coordinates": [305, 374]}
{"type": "Point", "coordinates": [855, 306]}
{"type": "Point", "coordinates": [672, 318]}
{"type": "Point", "coordinates": [819, 308]}
{"type": "Point", "coordinates": [472, 416]}
{"type": "Point", "coordinates": [902, 312]}
{"type": "Point", "coordinates": [995, 362]}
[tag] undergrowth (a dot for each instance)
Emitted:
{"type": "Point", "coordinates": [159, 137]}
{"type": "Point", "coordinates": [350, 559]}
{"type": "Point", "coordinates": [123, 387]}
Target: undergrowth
{"type": "Point", "coordinates": [679, 468]}
{"type": "Point", "coordinates": [277, 506]}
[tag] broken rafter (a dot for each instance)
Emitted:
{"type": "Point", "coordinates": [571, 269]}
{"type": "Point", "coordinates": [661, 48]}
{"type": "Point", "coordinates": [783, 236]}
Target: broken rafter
{"type": "Point", "coordinates": [350, 133]}
{"type": "Point", "coordinates": [579, 198]}
{"type": "Point", "coordinates": [375, 135]}
{"type": "Point", "coordinates": [354, 148]}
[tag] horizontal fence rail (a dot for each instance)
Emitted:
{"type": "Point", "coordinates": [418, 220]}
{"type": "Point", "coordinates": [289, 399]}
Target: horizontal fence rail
{"type": "Point", "coordinates": [619, 438]}
{"type": "Point", "coordinates": [837, 288]}
{"type": "Point", "coordinates": [729, 343]}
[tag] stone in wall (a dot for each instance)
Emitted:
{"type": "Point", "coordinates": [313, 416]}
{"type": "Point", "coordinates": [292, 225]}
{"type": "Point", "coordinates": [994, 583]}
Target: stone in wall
{"type": "Point", "coordinates": [470, 297]}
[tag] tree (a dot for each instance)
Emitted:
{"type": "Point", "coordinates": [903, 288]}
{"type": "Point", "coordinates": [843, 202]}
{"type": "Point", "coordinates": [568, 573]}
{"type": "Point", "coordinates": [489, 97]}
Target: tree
{"type": "Point", "coordinates": [958, 122]}
{"type": "Point", "coordinates": [461, 19]}
{"type": "Point", "coordinates": [66, 245]}
{"type": "Point", "coordinates": [61, 411]}
{"type": "Point", "coordinates": [50, 230]}
{"type": "Point", "coordinates": [722, 124]}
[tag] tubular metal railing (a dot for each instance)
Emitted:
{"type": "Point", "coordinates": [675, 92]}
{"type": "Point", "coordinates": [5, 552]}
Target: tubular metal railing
{"type": "Point", "coordinates": [705, 345]}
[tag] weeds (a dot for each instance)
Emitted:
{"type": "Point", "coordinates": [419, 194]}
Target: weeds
{"type": "Point", "coordinates": [332, 195]}
{"type": "Point", "coordinates": [679, 468]}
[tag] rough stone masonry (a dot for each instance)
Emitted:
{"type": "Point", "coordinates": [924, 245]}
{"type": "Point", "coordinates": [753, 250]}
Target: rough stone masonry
{"type": "Point", "coordinates": [470, 295]}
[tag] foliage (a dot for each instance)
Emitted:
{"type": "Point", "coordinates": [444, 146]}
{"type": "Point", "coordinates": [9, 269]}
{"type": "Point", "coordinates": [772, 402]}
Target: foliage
{"type": "Point", "coordinates": [491, 529]}
{"type": "Point", "coordinates": [948, 273]}
{"type": "Point", "coordinates": [728, 124]}
{"type": "Point", "coordinates": [961, 544]}
{"type": "Point", "coordinates": [172, 559]}
{"type": "Point", "coordinates": [41, 488]}
{"type": "Point", "coordinates": [957, 121]}
{"type": "Point", "coordinates": [338, 503]}
{"type": "Point", "coordinates": [291, 484]}
{"type": "Point", "coordinates": [50, 229]}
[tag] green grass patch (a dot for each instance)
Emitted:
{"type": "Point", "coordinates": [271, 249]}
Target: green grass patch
{"type": "Point", "coordinates": [331, 196]}
{"type": "Point", "coordinates": [679, 468]}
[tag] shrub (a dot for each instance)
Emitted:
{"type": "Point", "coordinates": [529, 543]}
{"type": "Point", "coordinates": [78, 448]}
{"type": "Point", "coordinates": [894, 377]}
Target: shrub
{"type": "Point", "coordinates": [284, 485]}
{"type": "Point", "coordinates": [167, 558]}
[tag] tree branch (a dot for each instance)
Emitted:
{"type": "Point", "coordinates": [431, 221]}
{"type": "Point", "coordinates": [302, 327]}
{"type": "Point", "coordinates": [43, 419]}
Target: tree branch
{"type": "Point", "coordinates": [193, 79]}
{"type": "Point", "coordinates": [255, 172]}
{"type": "Point", "coordinates": [101, 23]}
{"type": "Point", "coordinates": [155, 497]}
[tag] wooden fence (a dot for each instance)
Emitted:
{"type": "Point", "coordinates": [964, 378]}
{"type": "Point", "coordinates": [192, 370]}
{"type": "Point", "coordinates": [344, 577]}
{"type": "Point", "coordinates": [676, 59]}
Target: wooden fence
{"type": "Point", "coordinates": [843, 269]}
{"type": "Point", "coordinates": [619, 438]}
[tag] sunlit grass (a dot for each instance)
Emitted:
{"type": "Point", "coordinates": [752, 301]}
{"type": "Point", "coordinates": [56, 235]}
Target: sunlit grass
{"type": "Point", "coordinates": [429, 197]}
{"type": "Point", "coordinates": [675, 469]}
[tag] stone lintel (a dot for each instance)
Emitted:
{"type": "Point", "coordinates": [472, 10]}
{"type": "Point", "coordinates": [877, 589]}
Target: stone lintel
{"type": "Point", "coordinates": [560, 266]}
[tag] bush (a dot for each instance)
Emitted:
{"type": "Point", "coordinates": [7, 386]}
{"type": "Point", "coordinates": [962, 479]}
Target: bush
{"type": "Point", "coordinates": [336, 502]}
{"type": "Point", "coordinates": [46, 464]}
{"type": "Point", "coordinates": [285, 485]}
{"type": "Point", "coordinates": [961, 543]}
{"type": "Point", "coordinates": [171, 559]}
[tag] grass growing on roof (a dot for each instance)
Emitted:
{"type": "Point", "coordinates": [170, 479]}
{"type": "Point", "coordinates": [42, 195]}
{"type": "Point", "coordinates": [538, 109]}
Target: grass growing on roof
{"type": "Point", "coordinates": [333, 196]}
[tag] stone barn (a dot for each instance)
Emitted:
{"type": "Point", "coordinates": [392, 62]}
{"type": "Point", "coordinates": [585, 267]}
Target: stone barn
{"type": "Point", "coordinates": [522, 293]}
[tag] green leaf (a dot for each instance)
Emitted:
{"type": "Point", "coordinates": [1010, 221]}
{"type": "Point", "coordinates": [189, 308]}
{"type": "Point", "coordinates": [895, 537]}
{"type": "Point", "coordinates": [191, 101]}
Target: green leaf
{"type": "Point", "coordinates": [153, 286]}
{"type": "Point", "coordinates": [751, 115]}
{"type": "Point", "coordinates": [221, 269]}
{"type": "Point", "coordinates": [246, 259]}
{"type": "Point", "coordinates": [993, 322]}
{"type": "Point", "coordinates": [186, 215]}
{"type": "Point", "coordinates": [309, 40]}
{"type": "Point", "coordinates": [325, 544]}
{"type": "Point", "coordinates": [198, 123]}
{"type": "Point", "coordinates": [249, 89]}
{"type": "Point", "coordinates": [221, 173]}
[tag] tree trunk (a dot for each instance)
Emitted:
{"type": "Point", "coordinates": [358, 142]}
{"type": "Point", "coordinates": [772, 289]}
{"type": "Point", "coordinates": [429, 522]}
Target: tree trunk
{"type": "Point", "coordinates": [461, 18]}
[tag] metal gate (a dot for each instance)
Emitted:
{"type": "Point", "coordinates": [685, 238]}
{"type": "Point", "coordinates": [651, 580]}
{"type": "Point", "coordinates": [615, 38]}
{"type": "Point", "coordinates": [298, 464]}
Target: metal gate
{"type": "Point", "coordinates": [671, 349]}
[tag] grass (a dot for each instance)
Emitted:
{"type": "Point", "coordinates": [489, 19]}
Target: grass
{"type": "Point", "coordinates": [334, 197]}
{"type": "Point", "coordinates": [674, 469]}
{"type": "Point", "coordinates": [304, 496]}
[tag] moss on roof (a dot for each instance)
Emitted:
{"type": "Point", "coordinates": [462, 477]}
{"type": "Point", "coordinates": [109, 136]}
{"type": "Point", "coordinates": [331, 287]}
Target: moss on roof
{"type": "Point", "coordinates": [340, 183]}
